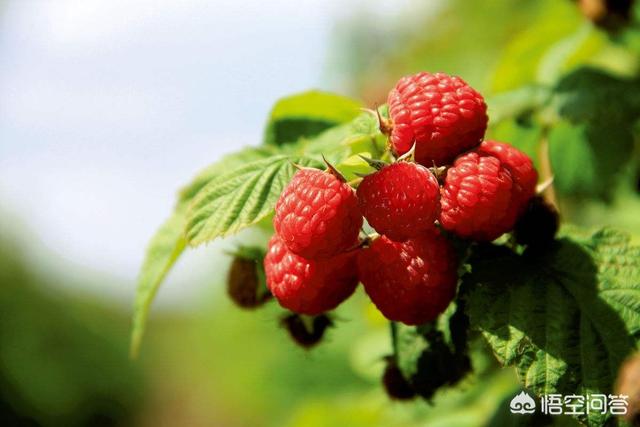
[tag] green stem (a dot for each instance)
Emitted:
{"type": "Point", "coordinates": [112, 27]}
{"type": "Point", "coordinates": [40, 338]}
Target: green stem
{"type": "Point", "coordinates": [546, 170]}
{"type": "Point", "coordinates": [393, 328]}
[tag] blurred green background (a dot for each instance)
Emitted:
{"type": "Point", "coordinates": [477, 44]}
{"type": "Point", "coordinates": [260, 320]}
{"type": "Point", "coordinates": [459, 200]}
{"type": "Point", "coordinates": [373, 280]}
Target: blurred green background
{"type": "Point", "coordinates": [63, 351]}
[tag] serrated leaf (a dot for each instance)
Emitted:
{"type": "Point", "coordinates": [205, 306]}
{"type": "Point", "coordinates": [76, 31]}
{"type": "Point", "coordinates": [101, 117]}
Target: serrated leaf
{"type": "Point", "coordinates": [565, 320]}
{"type": "Point", "coordinates": [237, 203]}
{"type": "Point", "coordinates": [226, 163]}
{"type": "Point", "coordinates": [240, 198]}
{"type": "Point", "coordinates": [169, 241]}
{"type": "Point", "coordinates": [165, 248]}
{"type": "Point", "coordinates": [236, 199]}
{"type": "Point", "coordinates": [307, 114]}
{"type": "Point", "coordinates": [339, 142]}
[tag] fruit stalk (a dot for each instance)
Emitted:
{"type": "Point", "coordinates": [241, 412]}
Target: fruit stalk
{"type": "Point", "coordinates": [546, 170]}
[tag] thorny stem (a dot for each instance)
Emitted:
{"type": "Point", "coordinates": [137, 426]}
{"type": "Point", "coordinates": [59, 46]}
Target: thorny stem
{"type": "Point", "coordinates": [546, 171]}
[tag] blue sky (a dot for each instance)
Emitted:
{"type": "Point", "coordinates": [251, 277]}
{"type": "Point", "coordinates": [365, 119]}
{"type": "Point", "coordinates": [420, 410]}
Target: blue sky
{"type": "Point", "coordinates": [107, 107]}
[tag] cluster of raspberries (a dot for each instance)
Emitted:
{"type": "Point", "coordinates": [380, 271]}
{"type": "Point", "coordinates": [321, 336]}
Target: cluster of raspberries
{"type": "Point", "coordinates": [409, 269]}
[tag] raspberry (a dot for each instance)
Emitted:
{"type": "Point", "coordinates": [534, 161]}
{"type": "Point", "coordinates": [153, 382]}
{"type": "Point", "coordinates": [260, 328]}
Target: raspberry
{"type": "Point", "coordinates": [628, 384]}
{"type": "Point", "coordinates": [611, 15]}
{"type": "Point", "coordinates": [317, 214]}
{"type": "Point", "coordinates": [486, 191]}
{"type": "Point", "coordinates": [400, 200]}
{"type": "Point", "coordinates": [395, 384]}
{"type": "Point", "coordinates": [410, 282]}
{"type": "Point", "coordinates": [538, 224]}
{"type": "Point", "coordinates": [441, 114]}
{"type": "Point", "coordinates": [306, 335]}
{"type": "Point", "coordinates": [308, 286]}
{"type": "Point", "coordinates": [243, 284]}
{"type": "Point", "coordinates": [520, 166]}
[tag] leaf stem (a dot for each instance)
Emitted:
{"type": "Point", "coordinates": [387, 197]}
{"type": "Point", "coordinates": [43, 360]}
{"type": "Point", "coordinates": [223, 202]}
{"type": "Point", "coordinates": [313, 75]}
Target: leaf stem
{"type": "Point", "coordinates": [546, 170]}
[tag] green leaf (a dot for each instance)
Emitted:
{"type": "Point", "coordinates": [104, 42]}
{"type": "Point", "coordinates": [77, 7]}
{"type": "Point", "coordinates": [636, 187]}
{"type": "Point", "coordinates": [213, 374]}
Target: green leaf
{"type": "Point", "coordinates": [239, 198]}
{"type": "Point", "coordinates": [238, 191]}
{"type": "Point", "coordinates": [307, 114]}
{"type": "Point", "coordinates": [566, 319]}
{"type": "Point", "coordinates": [339, 142]}
{"type": "Point", "coordinates": [522, 56]}
{"type": "Point", "coordinates": [434, 354]}
{"type": "Point", "coordinates": [169, 241]}
{"type": "Point", "coordinates": [588, 94]}
{"type": "Point", "coordinates": [588, 160]}
{"type": "Point", "coordinates": [226, 163]}
{"type": "Point", "coordinates": [516, 104]}
{"type": "Point", "coordinates": [569, 52]}
{"type": "Point", "coordinates": [163, 251]}
{"type": "Point", "coordinates": [623, 213]}
{"type": "Point", "coordinates": [592, 141]}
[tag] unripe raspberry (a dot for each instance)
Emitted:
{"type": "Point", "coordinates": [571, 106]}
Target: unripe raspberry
{"type": "Point", "coordinates": [317, 214]}
{"type": "Point", "coordinates": [308, 286]}
{"type": "Point", "coordinates": [306, 334]}
{"type": "Point", "coordinates": [441, 114]}
{"type": "Point", "coordinates": [538, 225]}
{"type": "Point", "coordinates": [486, 190]}
{"type": "Point", "coordinates": [628, 384]}
{"type": "Point", "coordinates": [400, 200]}
{"type": "Point", "coordinates": [395, 384]}
{"type": "Point", "coordinates": [410, 282]}
{"type": "Point", "coordinates": [244, 286]}
{"type": "Point", "coordinates": [611, 15]}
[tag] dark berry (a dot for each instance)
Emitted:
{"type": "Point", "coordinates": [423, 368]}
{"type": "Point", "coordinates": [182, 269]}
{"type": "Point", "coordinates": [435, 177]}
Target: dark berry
{"type": "Point", "coordinates": [395, 384]}
{"type": "Point", "coordinates": [307, 334]}
{"type": "Point", "coordinates": [243, 284]}
{"type": "Point", "coordinates": [538, 224]}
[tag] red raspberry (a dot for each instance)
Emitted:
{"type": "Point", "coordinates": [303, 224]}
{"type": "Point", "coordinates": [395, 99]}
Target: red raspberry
{"type": "Point", "coordinates": [306, 286]}
{"type": "Point", "coordinates": [441, 114]}
{"type": "Point", "coordinates": [400, 200]}
{"type": "Point", "coordinates": [486, 190]}
{"type": "Point", "coordinates": [317, 214]}
{"type": "Point", "coordinates": [410, 282]}
{"type": "Point", "coordinates": [523, 173]}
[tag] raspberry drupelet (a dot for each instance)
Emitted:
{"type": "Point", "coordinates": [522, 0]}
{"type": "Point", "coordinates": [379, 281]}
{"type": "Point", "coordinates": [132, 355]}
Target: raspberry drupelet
{"type": "Point", "coordinates": [410, 282]}
{"type": "Point", "coordinates": [306, 286]}
{"type": "Point", "coordinates": [441, 114]}
{"type": "Point", "coordinates": [486, 190]}
{"type": "Point", "coordinates": [317, 214]}
{"type": "Point", "coordinates": [400, 200]}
